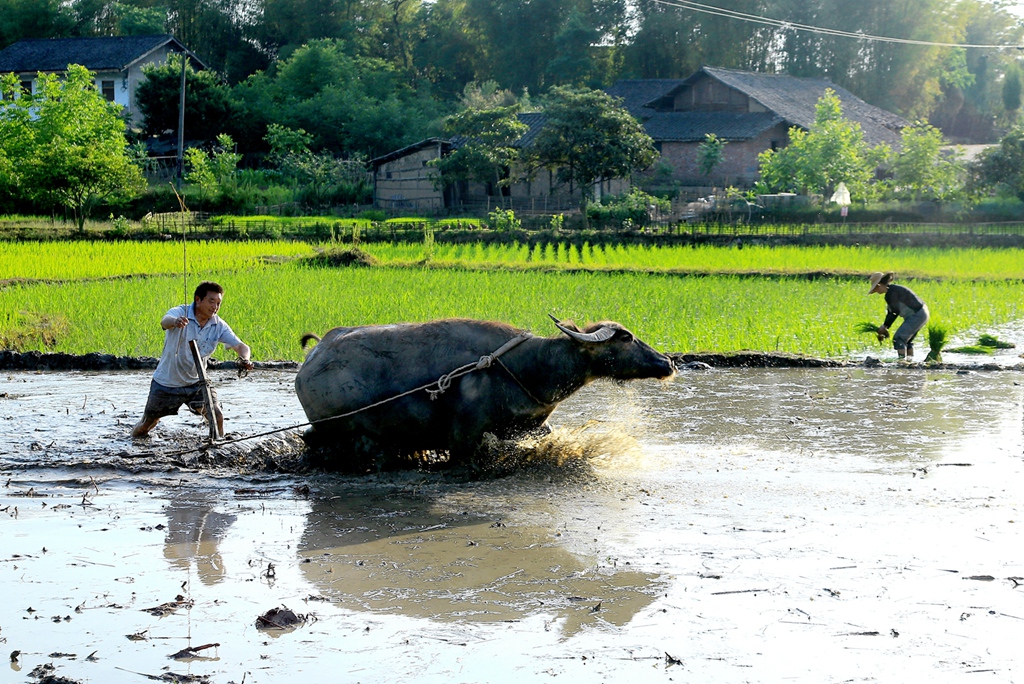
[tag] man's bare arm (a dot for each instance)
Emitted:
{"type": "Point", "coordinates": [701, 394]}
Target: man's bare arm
{"type": "Point", "coordinates": [243, 351]}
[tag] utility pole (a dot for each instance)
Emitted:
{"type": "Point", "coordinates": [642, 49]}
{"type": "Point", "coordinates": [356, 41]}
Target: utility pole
{"type": "Point", "coordinates": [181, 120]}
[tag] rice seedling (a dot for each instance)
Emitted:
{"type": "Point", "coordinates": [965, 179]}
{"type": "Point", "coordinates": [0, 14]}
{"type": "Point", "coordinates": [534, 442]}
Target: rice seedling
{"type": "Point", "coordinates": [271, 307]}
{"type": "Point", "coordinates": [972, 349]}
{"type": "Point", "coordinates": [866, 327]}
{"type": "Point", "coordinates": [87, 259]}
{"type": "Point", "coordinates": [989, 264]}
{"type": "Point", "coordinates": [994, 342]}
{"type": "Point", "coordinates": [937, 337]}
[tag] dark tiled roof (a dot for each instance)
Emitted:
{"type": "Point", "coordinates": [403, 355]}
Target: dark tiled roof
{"type": "Point", "coordinates": [534, 122]}
{"type": "Point", "coordinates": [95, 54]}
{"type": "Point", "coordinates": [637, 93]}
{"type": "Point", "coordinates": [794, 100]}
{"type": "Point", "coordinates": [445, 145]}
{"type": "Point", "coordinates": [693, 126]}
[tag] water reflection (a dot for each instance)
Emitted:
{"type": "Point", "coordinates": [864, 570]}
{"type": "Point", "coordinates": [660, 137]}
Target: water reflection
{"type": "Point", "coordinates": [418, 556]}
{"type": "Point", "coordinates": [194, 533]}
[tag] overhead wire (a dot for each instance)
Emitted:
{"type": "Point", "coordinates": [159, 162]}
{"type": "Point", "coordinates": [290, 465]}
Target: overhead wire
{"type": "Point", "coordinates": [796, 26]}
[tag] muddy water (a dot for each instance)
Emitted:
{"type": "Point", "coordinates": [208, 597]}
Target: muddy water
{"type": "Point", "coordinates": [733, 526]}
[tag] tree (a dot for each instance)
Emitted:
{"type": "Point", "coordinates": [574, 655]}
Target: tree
{"type": "Point", "coordinates": [489, 149]}
{"type": "Point", "coordinates": [1012, 90]}
{"type": "Point", "coordinates": [33, 19]}
{"type": "Point", "coordinates": [208, 108]}
{"type": "Point", "coordinates": [815, 161]}
{"type": "Point", "coordinates": [349, 105]}
{"type": "Point", "coordinates": [72, 150]}
{"type": "Point", "coordinates": [321, 177]}
{"type": "Point", "coordinates": [1002, 168]}
{"type": "Point", "coordinates": [214, 170]}
{"type": "Point", "coordinates": [920, 170]}
{"type": "Point", "coordinates": [573, 60]}
{"type": "Point", "coordinates": [106, 18]}
{"type": "Point", "coordinates": [710, 153]}
{"type": "Point", "coordinates": [588, 137]}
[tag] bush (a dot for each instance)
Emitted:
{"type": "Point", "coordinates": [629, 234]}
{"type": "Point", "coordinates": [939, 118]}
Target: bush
{"type": "Point", "coordinates": [503, 220]}
{"type": "Point", "coordinates": [373, 215]}
{"type": "Point", "coordinates": [634, 209]}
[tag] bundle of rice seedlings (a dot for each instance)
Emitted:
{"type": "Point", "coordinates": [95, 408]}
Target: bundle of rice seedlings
{"type": "Point", "coordinates": [972, 349]}
{"type": "Point", "coordinates": [994, 342]}
{"type": "Point", "coordinates": [866, 327]}
{"type": "Point", "coordinates": [937, 336]}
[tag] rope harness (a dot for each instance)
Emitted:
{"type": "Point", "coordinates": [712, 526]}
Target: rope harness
{"type": "Point", "coordinates": [442, 384]}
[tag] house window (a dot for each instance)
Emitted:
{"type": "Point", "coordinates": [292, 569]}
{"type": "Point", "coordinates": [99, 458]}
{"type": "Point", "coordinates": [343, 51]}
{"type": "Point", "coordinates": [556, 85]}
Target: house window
{"type": "Point", "coordinates": [776, 144]}
{"type": "Point", "coordinates": [107, 88]}
{"type": "Point", "coordinates": [26, 87]}
{"type": "Point", "coordinates": [387, 174]}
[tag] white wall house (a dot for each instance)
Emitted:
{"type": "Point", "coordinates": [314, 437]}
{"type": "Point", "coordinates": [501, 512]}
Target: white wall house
{"type": "Point", "coordinates": [116, 61]}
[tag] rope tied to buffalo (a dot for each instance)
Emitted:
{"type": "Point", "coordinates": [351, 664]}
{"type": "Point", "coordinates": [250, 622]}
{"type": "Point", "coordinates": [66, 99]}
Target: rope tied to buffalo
{"type": "Point", "coordinates": [443, 383]}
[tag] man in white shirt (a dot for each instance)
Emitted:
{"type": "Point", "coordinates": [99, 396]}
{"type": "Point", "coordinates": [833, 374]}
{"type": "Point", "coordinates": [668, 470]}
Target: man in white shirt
{"type": "Point", "coordinates": [176, 381]}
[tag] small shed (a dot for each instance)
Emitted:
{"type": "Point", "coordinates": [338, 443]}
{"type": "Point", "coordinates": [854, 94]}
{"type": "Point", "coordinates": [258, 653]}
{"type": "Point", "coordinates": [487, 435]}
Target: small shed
{"type": "Point", "coordinates": [405, 180]}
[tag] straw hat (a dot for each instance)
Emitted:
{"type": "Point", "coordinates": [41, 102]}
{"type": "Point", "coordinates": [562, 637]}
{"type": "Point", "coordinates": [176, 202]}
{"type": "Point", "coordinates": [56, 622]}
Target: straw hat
{"type": "Point", "coordinates": [879, 278]}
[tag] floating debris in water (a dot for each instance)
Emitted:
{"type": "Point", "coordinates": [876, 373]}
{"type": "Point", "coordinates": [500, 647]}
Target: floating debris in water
{"type": "Point", "coordinates": [280, 618]}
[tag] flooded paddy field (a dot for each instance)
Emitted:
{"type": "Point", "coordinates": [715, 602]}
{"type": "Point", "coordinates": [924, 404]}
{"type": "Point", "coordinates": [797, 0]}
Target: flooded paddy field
{"type": "Point", "coordinates": [736, 525]}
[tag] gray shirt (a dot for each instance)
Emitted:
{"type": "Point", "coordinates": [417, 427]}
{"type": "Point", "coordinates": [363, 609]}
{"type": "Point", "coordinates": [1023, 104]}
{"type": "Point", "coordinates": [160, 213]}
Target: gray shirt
{"type": "Point", "coordinates": [901, 301]}
{"type": "Point", "coordinates": [176, 368]}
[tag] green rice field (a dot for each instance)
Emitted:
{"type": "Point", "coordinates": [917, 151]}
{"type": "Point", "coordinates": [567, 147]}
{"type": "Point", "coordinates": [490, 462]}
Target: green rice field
{"type": "Point", "coordinates": [271, 304]}
{"type": "Point", "coordinates": [77, 260]}
{"type": "Point", "coordinates": [74, 260]}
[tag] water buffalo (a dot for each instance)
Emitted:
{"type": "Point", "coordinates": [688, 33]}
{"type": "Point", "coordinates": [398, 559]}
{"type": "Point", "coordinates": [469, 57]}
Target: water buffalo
{"type": "Point", "coordinates": [353, 368]}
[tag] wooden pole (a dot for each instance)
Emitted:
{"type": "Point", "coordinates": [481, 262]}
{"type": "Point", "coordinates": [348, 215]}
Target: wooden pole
{"type": "Point", "coordinates": [211, 412]}
{"type": "Point", "coordinates": [181, 121]}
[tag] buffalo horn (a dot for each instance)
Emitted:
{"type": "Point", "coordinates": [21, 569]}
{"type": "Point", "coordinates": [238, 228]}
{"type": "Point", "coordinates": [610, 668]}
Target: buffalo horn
{"type": "Point", "coordinates": [600, 335]}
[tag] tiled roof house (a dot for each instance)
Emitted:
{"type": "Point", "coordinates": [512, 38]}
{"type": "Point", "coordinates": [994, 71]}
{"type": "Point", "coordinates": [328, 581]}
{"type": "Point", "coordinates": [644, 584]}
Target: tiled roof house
{"type": "Point", "coordinates": [751, 111]}
{"type": "Point", "coordinates": [116, 61]}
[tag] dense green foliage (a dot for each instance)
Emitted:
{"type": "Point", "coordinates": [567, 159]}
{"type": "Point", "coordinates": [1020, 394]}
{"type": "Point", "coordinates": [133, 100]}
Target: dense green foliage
{"type": "Point", "coordinates": [348, 103]}
{"type": "Point", "coordinates": [833, 151]}
{"type": "Point", "coordinates": [208, 110]}
{"type": "Point", "coordinates": [710, 153]}
{"type": "Point", "coordinates": [921, 171]}
{"type": "Point", "coordinates": [63, 145]}
{"type": "Point", "coordinates": [587, 137]}
{"type": "Point", "coordinates": [433, 49]}
{"type": "Point", "coordinates": [1002, 167]}
{"type": "Point", "coordinates": [487, 152]}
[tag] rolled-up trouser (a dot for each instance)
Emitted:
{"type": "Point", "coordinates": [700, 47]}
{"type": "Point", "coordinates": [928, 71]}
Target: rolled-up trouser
{"type": "Point", "coordinates": [906, 333]}
{"type": "Point", "coordinates": [165, 401]}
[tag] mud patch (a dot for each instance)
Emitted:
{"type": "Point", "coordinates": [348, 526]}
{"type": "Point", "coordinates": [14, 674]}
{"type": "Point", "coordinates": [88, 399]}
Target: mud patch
{"type": "Point", "coordinates": [340, 258]}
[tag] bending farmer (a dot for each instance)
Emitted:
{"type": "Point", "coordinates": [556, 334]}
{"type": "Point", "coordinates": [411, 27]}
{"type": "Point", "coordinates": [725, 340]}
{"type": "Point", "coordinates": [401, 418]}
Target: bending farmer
{"type": "Point", "coordinates": [176, 381]}
{"type": "Point", "coordinates": [900, 301]}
